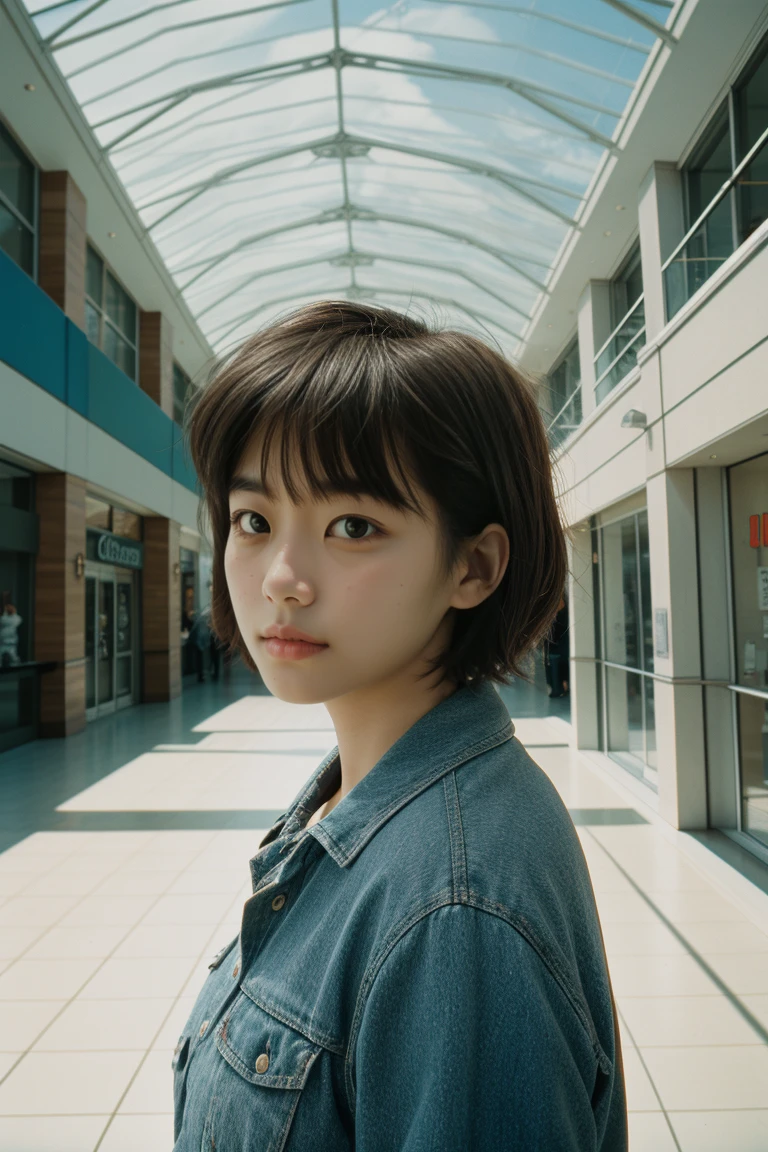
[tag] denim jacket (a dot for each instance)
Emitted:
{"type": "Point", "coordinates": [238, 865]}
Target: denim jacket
{"type": "Point", "coordinates": [421, 971]}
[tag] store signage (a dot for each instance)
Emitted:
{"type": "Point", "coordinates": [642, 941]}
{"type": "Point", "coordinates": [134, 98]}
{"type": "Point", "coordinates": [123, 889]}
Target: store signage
{"type": "Point", "coordinates": [111, 549]}
{"type": "Point", "coordinates": [754, 531]}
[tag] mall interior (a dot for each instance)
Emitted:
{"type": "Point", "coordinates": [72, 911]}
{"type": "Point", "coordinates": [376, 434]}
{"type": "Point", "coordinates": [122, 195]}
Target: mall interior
{"type": "Point", "coordinates": [581, 183]}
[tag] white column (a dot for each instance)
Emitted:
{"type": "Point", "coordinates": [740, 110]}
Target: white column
{"type": "Point", "coordinates": [662, 227]}
{"type": "Point", "coordinates": [582, 680]}
{"type": "Point", "coordinates": [594, 325]}
{"type": "Point", "coordinates": [715, 655]}
{"type": "Point", "coordinates": [674, 587]}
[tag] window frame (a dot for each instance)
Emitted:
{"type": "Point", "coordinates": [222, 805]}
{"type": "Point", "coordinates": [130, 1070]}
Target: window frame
{"type": "Point", "coordinates": [100, 309]}
{"type": "Point", "coordinates": [32, 226]}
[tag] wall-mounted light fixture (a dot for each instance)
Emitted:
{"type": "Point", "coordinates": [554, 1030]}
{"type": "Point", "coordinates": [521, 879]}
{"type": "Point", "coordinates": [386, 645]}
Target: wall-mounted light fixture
{"type": "Point", "coordinates": [176, 570]}
{"type": "Point", "coordinates": [634, 419]}
{"type": "Point", "coordinates": [79, 565]}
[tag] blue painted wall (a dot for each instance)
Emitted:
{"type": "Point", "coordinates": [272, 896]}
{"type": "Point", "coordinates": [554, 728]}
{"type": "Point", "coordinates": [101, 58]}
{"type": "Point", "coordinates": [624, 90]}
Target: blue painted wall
{"type": "Point", "coordinates": [41, 343]}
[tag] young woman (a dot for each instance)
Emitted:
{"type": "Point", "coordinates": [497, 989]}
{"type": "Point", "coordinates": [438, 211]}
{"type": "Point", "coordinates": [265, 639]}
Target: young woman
{"type": "Point", "coordinates": [420, 965]}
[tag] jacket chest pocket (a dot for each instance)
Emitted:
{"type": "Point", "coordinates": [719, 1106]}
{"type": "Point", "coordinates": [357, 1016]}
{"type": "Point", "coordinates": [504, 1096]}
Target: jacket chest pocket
{"type": "Point", "coordinates": [256, 1097]}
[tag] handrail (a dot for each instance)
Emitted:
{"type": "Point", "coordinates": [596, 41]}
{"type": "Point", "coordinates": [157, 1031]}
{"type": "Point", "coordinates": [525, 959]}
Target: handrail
{"type": "Point", "coordinates": [620, 325]}
{"type": "Point", "coordinates": [720, 195]}
{"type": "Point", "coordinates": [614, 362]}
{"type": "Point", "coordinates": [559, 413]}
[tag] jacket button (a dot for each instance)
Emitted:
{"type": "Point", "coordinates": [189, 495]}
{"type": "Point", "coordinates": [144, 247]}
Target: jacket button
{"type": "Point", "coordinates": [203, 1027]}
{"type": "Point", "coordinates": [236, 970]}
{"type": "Point", "coordinates": [262, 1063]}
{"type": "Point", "coordinates": [278, 902]}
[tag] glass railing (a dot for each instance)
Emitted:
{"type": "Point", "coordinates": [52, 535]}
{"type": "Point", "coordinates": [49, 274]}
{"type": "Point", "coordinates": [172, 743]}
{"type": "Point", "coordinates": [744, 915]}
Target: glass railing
{"type": "Point", "coordinates": [619, 353]}
{"type": "Point", "coordinates": [565, 421]}
{"type": "Point", "coordinates": [714, 236]}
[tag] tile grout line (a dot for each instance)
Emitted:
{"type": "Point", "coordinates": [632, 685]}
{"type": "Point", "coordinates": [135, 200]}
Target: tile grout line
{"type": "Point", "coordinates": [103, 959]}
{"type": "Point", "coordinates": [142, 1062]}
{"type": "Point", "coordinates": [651, 1081]}
{"type": "Point", "coordinates": [751, 1020]}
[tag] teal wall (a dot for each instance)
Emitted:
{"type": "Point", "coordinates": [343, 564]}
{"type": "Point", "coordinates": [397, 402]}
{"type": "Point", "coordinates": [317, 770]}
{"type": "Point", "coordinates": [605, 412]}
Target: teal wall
{"type": "Point", "coordinates": [41, 343]}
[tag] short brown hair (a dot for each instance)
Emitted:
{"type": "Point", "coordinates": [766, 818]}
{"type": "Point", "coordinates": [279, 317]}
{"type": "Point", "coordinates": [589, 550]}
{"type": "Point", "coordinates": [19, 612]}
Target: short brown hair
{"type": "Point", "coordinates": [368, 399]}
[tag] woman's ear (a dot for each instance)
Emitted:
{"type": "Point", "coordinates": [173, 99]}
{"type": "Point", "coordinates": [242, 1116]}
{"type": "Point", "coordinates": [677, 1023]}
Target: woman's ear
{"type": "Point", "coordinates": [482, 567]}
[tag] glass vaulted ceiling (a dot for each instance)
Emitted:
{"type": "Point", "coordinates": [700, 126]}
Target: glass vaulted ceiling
{"type": "Point", "coordinates": [429, 154]}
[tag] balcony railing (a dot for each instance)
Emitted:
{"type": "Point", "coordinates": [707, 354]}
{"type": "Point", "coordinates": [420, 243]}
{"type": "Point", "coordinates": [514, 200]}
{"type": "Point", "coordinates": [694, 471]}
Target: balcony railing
{"type": "Point", "coordinates": [619, 353]}
{"type": "Point", "coordinates": [712, 238]}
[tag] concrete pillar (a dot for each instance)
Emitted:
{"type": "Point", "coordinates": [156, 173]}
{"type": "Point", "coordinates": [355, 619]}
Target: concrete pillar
{"type": "Point", "coordinates": [60, 602]}
{"type": "Point", "coordinates": [715, 652]}
{"type": "Point", "coordinates": [161, 610]}
{"type": "Point", "coordinates": [156, 359]}
{"type": "Point", "coordinates": [674, 588]}
{"type": "Point", "coordinates": [662, 227]}
{"type": "Point", "coordinates": [594, 326]}
{"type": "Point", "coordinates": [62, 243]}
{"type": "Point", "coordinates": [581, 621]}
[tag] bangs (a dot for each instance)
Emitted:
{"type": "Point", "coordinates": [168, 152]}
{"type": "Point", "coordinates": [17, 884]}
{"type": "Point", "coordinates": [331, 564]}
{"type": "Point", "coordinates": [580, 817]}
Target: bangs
{"type": "Point", "coordinates": [338, 429]}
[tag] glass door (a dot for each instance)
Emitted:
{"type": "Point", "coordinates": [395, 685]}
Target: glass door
{"type": "Point", "coordinates": [105, 642]}
{"type": "Point", "coordinates": [110, 636]}
{"type": "Point", "coordinates": [124, 646]}
{"type": "Point", "coordinates": [627, 647]}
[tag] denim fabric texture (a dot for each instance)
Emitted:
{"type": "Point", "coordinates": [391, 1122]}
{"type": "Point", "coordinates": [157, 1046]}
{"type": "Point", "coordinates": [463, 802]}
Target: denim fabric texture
{"type": "Point", "coordinates": [421, 971]}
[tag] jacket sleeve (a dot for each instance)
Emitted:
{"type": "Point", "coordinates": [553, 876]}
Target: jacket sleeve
{"type": "Point", "coordinates": [467, 1043]}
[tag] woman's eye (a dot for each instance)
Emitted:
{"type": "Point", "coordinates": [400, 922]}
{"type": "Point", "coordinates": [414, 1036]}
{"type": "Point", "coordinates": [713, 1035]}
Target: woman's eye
{"type": "Point", "coordinates": [250, 523]}
{"type": "Point", "coordinates": [355, 528]}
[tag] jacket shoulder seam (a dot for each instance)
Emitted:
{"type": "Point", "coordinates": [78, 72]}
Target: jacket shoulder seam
{"type": "Point", "coordinates": [518, 924]}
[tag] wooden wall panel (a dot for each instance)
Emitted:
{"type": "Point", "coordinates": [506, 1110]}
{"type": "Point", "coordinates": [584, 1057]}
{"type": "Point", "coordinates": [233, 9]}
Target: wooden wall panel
{"type": "Point", "coordinates": [156, 359]}
{"type": "Point", "coordinates": [60, 602]}
{"type": "Point", "coordinates": [161, 610]}
{"type": "Point", "coordinates": [61, 267]}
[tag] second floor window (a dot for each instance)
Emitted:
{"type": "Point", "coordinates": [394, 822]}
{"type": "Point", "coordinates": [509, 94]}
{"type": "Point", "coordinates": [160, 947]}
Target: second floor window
{"type": "Point", "coordinates": [18, 209]}
{"type": "Point", "coordinates": [110, 314]}
{"type": "Point", "coordinates": [562, 407]}
{"type": "Point", "coordinates": [619, 353]}
{"type": "Point", "coordinates": [181, 387]}
{"type": "Point", "coordinates": [728, 218]}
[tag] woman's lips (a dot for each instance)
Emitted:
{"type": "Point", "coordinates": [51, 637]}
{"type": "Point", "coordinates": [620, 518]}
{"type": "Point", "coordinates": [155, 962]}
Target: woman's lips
{"type": "Point", "coordinates": [292, 649]}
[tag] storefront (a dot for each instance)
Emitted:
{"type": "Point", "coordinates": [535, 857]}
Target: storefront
{"type": "Point", "coordinates": [748, 505]}
{"type": "Point", "coordinates": [624, 642]}
{"type": "Point", "coordinates": [113, 563]}
{"type": "Point", "coordinates": [18, 546]}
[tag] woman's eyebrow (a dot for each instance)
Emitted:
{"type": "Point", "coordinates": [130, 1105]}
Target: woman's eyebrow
{"type": "Point", "coordinates": [246, 484]}
{"type": "Point", "coordinates": [253, 484]}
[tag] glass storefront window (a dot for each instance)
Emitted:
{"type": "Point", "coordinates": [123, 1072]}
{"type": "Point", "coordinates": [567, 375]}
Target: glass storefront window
{"type": "Point", "coordinates": [618, 356]}
{"type": "Point", "coordinates": [111, 316]}
{"type": "Point", "coordinates": [748, 498]}
{"type": "Point", "coordinates": [733, 131]}
{"type": "Point", "coordinates": [625, 646]}
{"type": "Point", "coordinates": [748, 485]}
{"type": "Point", "coordinates": [181, 387]}
{"type": "Point", "coordinates": [751, 102]}
{"type": "Point", "coordinates": [561, 397]}
{"type": "Point", "coordinates": [126, 524]}
{"type": "Point", "coordinates": [97, 513]}
{"type": "Point", "coordinates": [18, 183]}
{"type": "Point", "coordinates": [753, 758]}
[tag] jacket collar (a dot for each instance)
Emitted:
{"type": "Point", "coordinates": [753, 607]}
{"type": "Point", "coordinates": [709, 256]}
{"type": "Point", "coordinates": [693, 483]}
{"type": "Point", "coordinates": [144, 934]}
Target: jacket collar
{"type": "Point", "coordinates": [469, 722]}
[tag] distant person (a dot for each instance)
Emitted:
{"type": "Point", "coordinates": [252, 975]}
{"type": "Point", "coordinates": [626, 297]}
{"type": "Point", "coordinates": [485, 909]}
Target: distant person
{"type": "Point", "coordinates": [200, 639]}
{"type": "Point", "coordinates": [10, 622]}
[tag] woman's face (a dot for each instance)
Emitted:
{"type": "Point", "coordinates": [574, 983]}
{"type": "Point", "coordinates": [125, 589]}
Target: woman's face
{"type": "Point", "coordinates": [352, 573]}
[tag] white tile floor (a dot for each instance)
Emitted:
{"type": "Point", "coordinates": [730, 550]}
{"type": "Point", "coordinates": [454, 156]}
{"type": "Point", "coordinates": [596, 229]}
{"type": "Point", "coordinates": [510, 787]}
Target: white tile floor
{"type": "Point", "coordinates": [105, 939]}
